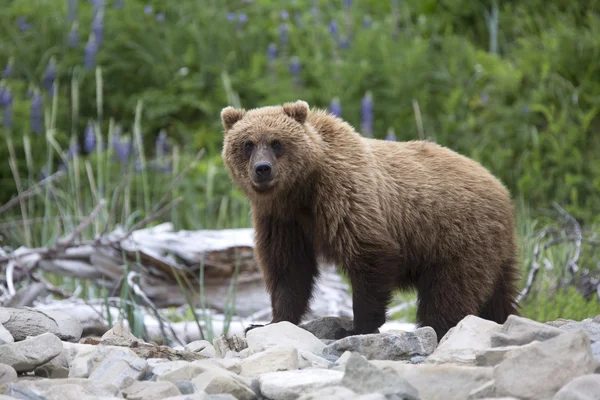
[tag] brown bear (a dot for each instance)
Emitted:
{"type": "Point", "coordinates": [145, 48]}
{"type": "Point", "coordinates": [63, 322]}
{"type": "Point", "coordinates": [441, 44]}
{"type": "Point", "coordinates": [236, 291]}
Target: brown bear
{"type": "Point", "coordinates": [393, 215]}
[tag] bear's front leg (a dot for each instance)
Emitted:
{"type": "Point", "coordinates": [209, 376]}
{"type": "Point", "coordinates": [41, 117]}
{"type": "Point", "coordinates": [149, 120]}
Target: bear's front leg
{"type": "Point", "coordinates": [288, 262]}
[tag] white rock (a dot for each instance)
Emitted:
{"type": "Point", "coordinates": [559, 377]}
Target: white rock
{"type": "Point", "coordinates": [460, 344]}
{"type": "Point", "coordinates": [585, 387]}
{"type": "Point", "coordinates": [76, 386]}
{"type": "Point", "coordinates": [161, 369]}
{"type": "Point", "coordinates": [289, 385]}
{"type": "Point", "coordinates": [306, 359]}
{"type": "Point", "coordinates": [147, 390]}
{"type": "Point", "coordinates": [519, 331]}
{"type": "Point", "coordinates": [203, 347]}
{"type": "Point", "coordinates": [118, 335]}
{"type": "Point", "coordinates": [278, 358]}
{"type": "Point", "coordinates": [194, 396]}
{"type": "Point", "coordinates": [79, 356]}
{"type": "Point", "coordinates": [7, 374]}
{"type": "Point", "coordinates": [217, 382]}
{"type": "Point", "coordinates": [284, 334]}
{"type": "Point", "coordinates": [25, 321]}
{"type": "Point", "coordinates": [118, 366]}
{"type": "Point", "coordinates": [5, 336]}
{"type": "Point", "coordinates": [330, 393]}
{"type": "Point", "coordinates": [26, 355]}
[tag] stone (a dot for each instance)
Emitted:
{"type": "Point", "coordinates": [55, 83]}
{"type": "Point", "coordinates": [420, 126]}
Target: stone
{"type": "Point", "coordinates": [364, 378]}
{"type": "Point", "coordinates": [279, 358]}
{"type": "Point", "coordinates": [230, 364]}
{"type": "Point", "coordinates": [150, 390]}
{"type": "Point", "coordinates": [283, 334]}
{"type": "Point", "coordinates": [161, 369]}
{"type": "Point", "coordinates": [223, 382]}
{"type": "Point", "coordinates": [14, 391]}
{"type": "Point", "coordinates": [592, 328]}
{"type": "Point", "coordinates": [26, 355]}
{"type": "Point", "coordinates": [78, 356]}
{"type": "Point", "coordinates": [543, 368]}
{"type": "Point", "coordinates": [223, 345]}
{"type": "Point", "coordinates": [329, 393]}
{"type": "Point", "coordinates": [387, 346]}
{"type": "Point", "coordinates": [5, 336]}
{"type": "Point", "coordinates": [306, 359]}
{"type": "Point", "coordinates": [439, 381]}
{"type": "Point", "coordinates": [58, 367]}
{"type": "Point", "coordinates": [7, 374]}
{"type": "Point", "coordinates": [584, 387]}
{"type": "Point", "coordinates": [194, 396]}
{"type": "Point", "coordinates": [79, 387]}
{"type": "Point", "coordinates": [460, 344]}
{"type": "Point", "coordinates": [517, 331]}
{"type": "Point", "coordinates": [495, 355]}
{"type": "Point", "coordinates": [289, 385]}
{"type": "Point", "coordinates": [203, 347]}
{"type": "Point", "coordinates": [326, 327]}
{"type": "Point", "coordinates": [118, 366]}
{"type": "Point", "coordinates": [25, 321]}
{"type": "Point", "coordinates": [118, 335]}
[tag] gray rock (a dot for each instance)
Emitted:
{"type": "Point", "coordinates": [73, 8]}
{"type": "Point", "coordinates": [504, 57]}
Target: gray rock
{"type": "Point", "coordinates": [223, 382]}
{"type": "Point", "coordinates": [592, 328]}
{"type": "Point", "coordinates": [79, 355]}
{"type": "Point", "coordinates": [203, 347]}
{"type": "Point", "coordinates": [283, 334]}
{"type": "Point", "coordinates": [185, 387]}
{"type": "Point", "coordinates": [118, 366]}
{"type": "Point", "coordinates": [220, 397]}
{"type": "Point", "coordinates": [387, 346]}
{"type": "Point", "coordinates": [330, 393]}
{"type": "Point", "coordinates": [58, 367]}
{"type": "Point", "coordinates": [150, 390]}
{"type": "Point", "coordinates": [495, 355]}
{"type": "Point", "coordinates": [326, 327]}
{"type": "Point", "coordinates": [118, 335]}
{"type": "Point", "coordinates": [15, 391]}
{"type": "Point", "coordinates": [59, 389]}
{"type": "Point", "coordinates": [223, 345]}
{"type": "Point", "coordinates": [461, 343]}
{"type": "Point", "coordinates": [7, 374]}
{"type": "Point", "coordinates": [25, 321]}
{"type": "Point", "coordinates": [585, 387]}
{"type": "Point", "coordinates": [195, 396]}
{"type": "Point", "coordinates": [517, 331]}
{"type": "Point", "coordinates": [364, 378]}
{"type": "Point", "coordinates": [26, 355]}
{"type": "Point", "coordinates": [439, 381]}
{"type": "Point", "coordinates": [163, 368]}
{"type": "Point", "coordinates": [306, 359]}
{"type": "Point", "coordinates": [5, 336]}
{"type": "Point", "coordinates": [542, 369]}
{"type": "Point", "coordinates": [279, 358]}
{"type": "Point", "coordinates": [289, 385]}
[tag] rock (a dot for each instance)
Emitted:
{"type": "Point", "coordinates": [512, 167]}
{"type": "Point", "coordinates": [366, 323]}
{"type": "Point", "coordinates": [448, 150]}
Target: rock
{"type": "Point", "coordinates": [326, 327]}
{"type": "Point", "coordinates": [585, 387]}
{"type": "Point", "coordinates": [230, 364]}
{"type": "Point", "coordinates": [164, 368]}
{"type": "Point", "coordinates": [58, 367]}
{"type": "Point", "coordinates": [460, 344]}
{"type": "Point", "coordinates": [78, 356]}
{"type": "Point", "coordinates": [5, 336]}
{"type": "Point", "coordinates": [118, 335]}
{"type": "Point", "coordinates": [289, 385]}
{"type": "Point", "coordinates": [150, 390]}
{"type": "Point", "coordinates": [59, 389]}
{"type": "Point", "coordinates": [14, 391]}
{"type": "Point", "coordinates": [7, 374]}
{"type": "Point", "coordinates": [592, 328]}
{"type": "Point", "coordinates": [495, 355]}
{"type": "Point", "coordinates": [364, 378]}
{"type": "Point", "coordinates": [194, 396]}
{"type": "Point", "coordinates": [203, 347]}
{"type": "Point", "coordinates": [185, 387]}
{"type": "Point", "coordinates": [439, 381]}
{"type": "Point", "coordinates": [283, 334]}
{"type": "Point", "coordinates": [115, 365]}
{"type": "Point", "coordinates": [306, 359]}
{"type": "Point", "coordinates": [279, 358]}
{"type": "Point", "coordinates": [223, 382]}
{"type": "Point", "coordinates": [25, 321]}
{"type": "Point", "coordinates": [223, 345]}
{"type": "Point", "coordinates": [26, 355]}
{"type": "Point", "coordinates": [387, 346]}
{"type": "Point", "coordinates": [542, 369]}
{"type": "Point", "coordinates": [518, 331]}
{"type": "Point", "coordinates": [329, 393]}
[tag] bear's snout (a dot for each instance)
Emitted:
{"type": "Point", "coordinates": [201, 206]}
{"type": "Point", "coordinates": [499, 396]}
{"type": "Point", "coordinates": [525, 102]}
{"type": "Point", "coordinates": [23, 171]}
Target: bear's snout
{"type": "Point", "coordinates": [263, 172]}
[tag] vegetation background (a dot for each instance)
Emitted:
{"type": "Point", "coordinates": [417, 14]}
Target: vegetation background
{"type": "Point", "coordinates": [107, 90]}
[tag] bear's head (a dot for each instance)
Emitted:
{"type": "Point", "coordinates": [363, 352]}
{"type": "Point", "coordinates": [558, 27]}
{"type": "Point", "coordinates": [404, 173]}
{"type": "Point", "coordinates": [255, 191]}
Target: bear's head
{"type": "Point", "coordinates": [269, 150]}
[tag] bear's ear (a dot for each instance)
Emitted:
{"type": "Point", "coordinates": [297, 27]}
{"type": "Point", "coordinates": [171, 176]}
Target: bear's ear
{"type": "Point", "coordinates": [297, 110]}
{"type": "Point", "coordinates": [230, 115]}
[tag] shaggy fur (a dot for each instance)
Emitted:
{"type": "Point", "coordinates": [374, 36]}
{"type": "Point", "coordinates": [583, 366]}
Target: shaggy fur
{"type": "Point", "coordinates": [394, 215]}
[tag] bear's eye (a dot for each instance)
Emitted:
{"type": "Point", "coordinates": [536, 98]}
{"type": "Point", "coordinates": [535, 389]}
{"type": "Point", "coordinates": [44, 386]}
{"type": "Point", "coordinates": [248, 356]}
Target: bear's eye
{"type": "Point", "coordinates": [248, 147]}
{"type": "Point", "coordinates": [276, 145]}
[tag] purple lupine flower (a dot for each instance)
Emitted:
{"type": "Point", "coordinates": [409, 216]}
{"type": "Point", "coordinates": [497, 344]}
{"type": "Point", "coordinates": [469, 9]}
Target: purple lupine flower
{"type": "Point", "coordinates": [295, 67]}
{"type": "Point", "coordinates": [72, 10]}
{"type": "Point", "coordinates": [344, 43]}
{"type": "Point", "coordinates": [231, 17]}
{"type": "Point", "coordinates": [366, 110]}
{"type": "Point", "coordinates": [283, 33]}
{"type": "Point", "coordinates": [50, 75]}
{"type": "Point", "coordinates": [284, 15]}
{"type": "Point", "coordinates": [8, 70]}
{"type": "Point", "coordinates": [484, 98]}
{"type": "Point", "coordinates": [91, 48]}
{"type": "Point", "coordinates": [89, 138]}
{"type": "Point", "coordinates": [122, 148]}
{"type": "Point", "coordinates": [74, 35]}
{"type": "Point", "coordinates": [391, 135]}
{"type": "Point", "coordinates": [119, 4]}
{"type": "Point", "coordinates": [6, 101]}
{"type": "Point", "coordinates": [161, 144]}
{"type": "Point", "coordinates": [348, 3]}
{"type": "Point", "coordinates": [367, 21]}
{"type": "Point", "coordinates": [98, 28]}
{"type": "Point", "coordinates": [23, 24]}
{"type": "Point", "coordinates": [335, 107]}
{"type": "Point", "coordinates": [160, 17]}
{"type": "Point", "coordinates": [272, 52]}
{"type": "Point", "coordinates": [36, 113]}
{"type": "Point", "coordinates": [98, 5]}
{"type": "Point", "coordinates": [242, 18]}
{"type": "Point", "coordinates": [148, 9]}
{"type": "Point", "coordinates": [333, 30]}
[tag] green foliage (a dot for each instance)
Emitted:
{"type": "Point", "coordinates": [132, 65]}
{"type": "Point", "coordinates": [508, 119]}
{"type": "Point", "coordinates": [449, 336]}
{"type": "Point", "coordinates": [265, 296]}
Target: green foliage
{"type": "Point", "coordinates": [567, 303]}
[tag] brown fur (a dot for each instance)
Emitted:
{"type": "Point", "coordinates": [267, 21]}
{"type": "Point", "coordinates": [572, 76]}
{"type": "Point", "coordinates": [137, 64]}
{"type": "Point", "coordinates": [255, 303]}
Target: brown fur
{"type": "Point", "coordinates": [394, 215]}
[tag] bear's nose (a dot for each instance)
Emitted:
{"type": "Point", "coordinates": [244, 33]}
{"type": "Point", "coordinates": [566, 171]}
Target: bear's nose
{"type": "Point", "coordinates": [263, 170]}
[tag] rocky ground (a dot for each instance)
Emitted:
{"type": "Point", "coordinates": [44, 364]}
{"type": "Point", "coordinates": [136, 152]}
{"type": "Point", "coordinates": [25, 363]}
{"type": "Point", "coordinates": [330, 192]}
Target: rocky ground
{"type": "Point", "coordinates": [42, 356]}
